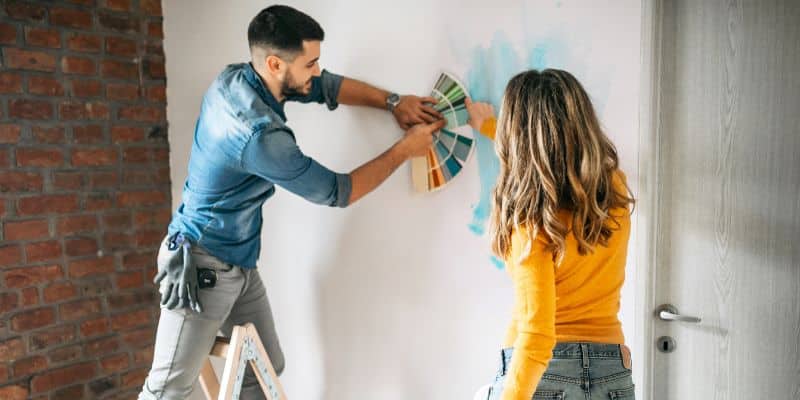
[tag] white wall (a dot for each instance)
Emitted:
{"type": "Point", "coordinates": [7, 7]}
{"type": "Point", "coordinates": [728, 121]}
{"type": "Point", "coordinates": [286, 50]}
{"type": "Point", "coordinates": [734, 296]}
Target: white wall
{"type": "Point", "coordinates": [395, 298]}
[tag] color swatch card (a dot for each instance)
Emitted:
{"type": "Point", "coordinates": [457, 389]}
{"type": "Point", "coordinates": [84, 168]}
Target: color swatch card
{"type": "Point", "coordinates": [452, 146]}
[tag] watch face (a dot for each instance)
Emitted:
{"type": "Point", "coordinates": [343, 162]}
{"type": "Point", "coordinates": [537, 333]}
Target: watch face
{"type": "Point", "coordinates": [393, 99]}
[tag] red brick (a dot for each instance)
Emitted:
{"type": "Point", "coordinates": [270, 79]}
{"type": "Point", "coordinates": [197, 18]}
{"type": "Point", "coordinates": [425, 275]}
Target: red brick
{"type": "Point", "coordinates": [114, 241]}
{"type": "Point", "coordinates": [122, 91]}
{"type": "Point", "coordinates": [83, 2]}
{"type": "Point", "coordinates": [20, 182]}
{"type": "Point", "coordinates": [92, 266]}
{"type": "Point", "coordinates": [134, 378]}
{"type": "Point", "coordinates": [99, 202]}
{"type": "Point", "coordinates": [8, 34]}
{"type": "Point", "coordinates": [94, 327]}
{"type": "Point", "coordinates": [121, 47]}
{"type": "Point", "coordinates": [4, 163]}
{"type": "Point", "coordinates": [130, 320]}
{"type": "Point", "coordinates": [85, 43]}
{"type": "Point", "coordinates": [25, 230]}
{"type": "Point", "coordinates": [33, 319]}
{"type": "Point", "coordinates": [10, 82]}
{"type": "Point", "coordinates": [20, 10]}
{"type": "Point", "coordinates": [42, 251]}
{"type": "Point", "coordinates": [140, 298]}
{"type": "Point", "coordinates": [78, 65]}
{"type": "Point", "coordinates": [80, 247]}
{"type": "Point", "coordinates": [117, 22]}
{"type": "Point", "coordinates": [59, 291]}
{"type": "Point", "coordinates": [81, 88]}
{"type": "Point", "coordinates": [127, 280]}
{"type": "Point", "coordinates": [154, 29]}
{"type": "Point", "coordinates": [37, 205]}
{"type": "Point", "coordinates": [10, 255]}
{"type": "Point", "coordinates": [117, 5]}
{"type": "Point", "coordinates": [11, 350]}
{"type": "Point", "coordinates": [57, 378]}
{"type": "Point", "coordinates": [94, 157]}
{"type": "Point", "coordinates": [66, 354]}
{"type": "Point", "coordinates": [77, 224]}
{"type": "Point", "coordinates": [138, 337]}
{"type": "Point", "coordinates": [154, 48]}
{"type": "Point", "coordinates": [70, 18]}
{"type": "Point", "coordinates": [149, 237]}
{"type": "Point", "coordinates": [34, 157]}
{"type": "Point", "coordinates": [117, 221]}
{"type": "Point", "coordinates": [119, 70]}
{"type": "Point", "coordinates": [157, 94]}
{"type": "Point", "coordinates": [141, 198]}
{"type": "Point", "coordinates": [30, 109]}
{"type": "Point", "coordinates": [161, 154]}
{"type": "Point", "coordinates": [67, 180]}
{"type": "Point", "coordinates": [48, 134]}
{"type": "Point", "coordinates": [14, 392]}
{"type": "Point", "coordinates": [101, 346]}
{"type": "Point", "coordinates": [8, 302]}
{"type": "Point", "coordinates": [125, 134]}
{"type": "Point", "coordinates": [88, 134]}
{"type": "Point", "coordinates": [151, 7]}
{"type": "Point", "coordinates": [45, 85]}
{"type": "Point", "coordinates": [9, 133]}
{"type": "Point", "coordinates": [29, 366]}
{"type": "Point", "coordinates": [69, 393]}
{"type": "Point", "coordinates": [26, 59]}
{"type": "Point", "coordinates": [31, 275]}
{"type": "Point", "coordinates": [136, 155]}
{"type": "Point", "coordinates": [30, 296]}
{"type": "Point", "coordinates": [115, 363]}
{"type": "Point", "coordinates": [79, 309]}
{"type": "Point", "coordinates": [155, 69]}
{"type": "Point", "coordinates": [142, 113]}
{"type": "Point", "coordinates": [139, 260]}
{"type": "Point", "coordinates": [97, 110]}
{"type": "Point", "coordinates": [52, 337]}
{"type": "Point", "coordinates": [103, 180]}
{"type": "Point", "coordinates": [42, 37]}
{"type": "Point", "coordinates": [143, 356]}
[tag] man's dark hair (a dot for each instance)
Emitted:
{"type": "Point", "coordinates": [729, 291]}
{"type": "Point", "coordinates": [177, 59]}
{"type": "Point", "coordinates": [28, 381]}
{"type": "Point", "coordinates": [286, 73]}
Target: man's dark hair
{"type": "Point", "coordinates": [281, 30]}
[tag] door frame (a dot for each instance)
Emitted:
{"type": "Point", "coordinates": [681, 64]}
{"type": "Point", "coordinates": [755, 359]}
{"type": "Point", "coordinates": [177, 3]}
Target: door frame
{"type": "Point", "coordinates": [646, 217]}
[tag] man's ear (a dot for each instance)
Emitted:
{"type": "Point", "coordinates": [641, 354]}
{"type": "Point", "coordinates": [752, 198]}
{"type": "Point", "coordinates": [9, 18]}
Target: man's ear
{"type": "Point", "coordinates": [274, 64]}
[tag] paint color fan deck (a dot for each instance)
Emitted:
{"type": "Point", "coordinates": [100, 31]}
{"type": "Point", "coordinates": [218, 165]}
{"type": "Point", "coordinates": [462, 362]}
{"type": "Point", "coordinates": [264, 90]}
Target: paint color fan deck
{"type": "Point", "coordinates": [452, 146]}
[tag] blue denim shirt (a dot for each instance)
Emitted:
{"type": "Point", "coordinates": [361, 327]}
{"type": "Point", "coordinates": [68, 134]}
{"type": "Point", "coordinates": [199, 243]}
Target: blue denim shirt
{"type": "Point", "coordinates": [242, 148]}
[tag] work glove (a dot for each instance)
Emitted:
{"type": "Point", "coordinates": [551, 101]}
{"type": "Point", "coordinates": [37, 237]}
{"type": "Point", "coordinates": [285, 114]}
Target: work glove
{"type": "Point", "coordinates": [175, 265]}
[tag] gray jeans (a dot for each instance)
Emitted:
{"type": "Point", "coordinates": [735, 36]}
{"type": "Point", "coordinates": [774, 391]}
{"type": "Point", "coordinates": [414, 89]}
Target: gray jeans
{"type": "Point", "coordinates": [578, 371]}
{"type": "Point", "coordinates": [184, 338]}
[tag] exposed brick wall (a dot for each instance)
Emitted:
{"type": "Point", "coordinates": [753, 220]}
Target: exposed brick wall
{"type": "Point", "coordinates": [84, 195]}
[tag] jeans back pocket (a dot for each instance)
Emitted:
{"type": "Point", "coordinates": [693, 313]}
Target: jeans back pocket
{"type": "Point", "coordinates": [622, 394]}
{"type": "Point", "coordinates": [548, 395]}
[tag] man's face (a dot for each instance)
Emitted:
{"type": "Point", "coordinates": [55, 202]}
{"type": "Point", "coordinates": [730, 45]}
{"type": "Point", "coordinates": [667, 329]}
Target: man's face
{"type": "Point", "coordinates": [297, 80]}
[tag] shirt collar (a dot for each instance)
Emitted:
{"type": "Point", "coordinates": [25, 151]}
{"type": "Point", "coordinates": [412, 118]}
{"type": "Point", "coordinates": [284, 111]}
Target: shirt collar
{"type": "Point", "coordinates": [255, 81]}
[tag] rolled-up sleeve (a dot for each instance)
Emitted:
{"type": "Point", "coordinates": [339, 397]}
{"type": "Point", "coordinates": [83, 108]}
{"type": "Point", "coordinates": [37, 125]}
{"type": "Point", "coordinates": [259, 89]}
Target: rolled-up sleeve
{"type": "Point", "coordinates": [324, 89]}
{"type": "Point", "coordinates": [275, 156]}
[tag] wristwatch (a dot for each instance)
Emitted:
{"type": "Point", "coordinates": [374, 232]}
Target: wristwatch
{"type": "Point", "coordinates": [392, 101]}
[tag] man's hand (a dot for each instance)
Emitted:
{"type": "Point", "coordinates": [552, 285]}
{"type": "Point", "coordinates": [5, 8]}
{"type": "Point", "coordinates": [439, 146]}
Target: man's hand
{"type": "Point", "coordinates": [414, 110]}
{"type": "Point", "coordinates": [419, 139]}
{"type": "Point", "coordinates": [176, 266]}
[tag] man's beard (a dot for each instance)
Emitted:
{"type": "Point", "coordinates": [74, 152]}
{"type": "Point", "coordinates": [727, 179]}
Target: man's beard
{"type": "Point", "coordinates": [291, 88]}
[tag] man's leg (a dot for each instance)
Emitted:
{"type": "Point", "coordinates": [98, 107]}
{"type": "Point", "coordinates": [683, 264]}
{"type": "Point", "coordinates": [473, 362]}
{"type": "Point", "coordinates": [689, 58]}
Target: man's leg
{"type": "Point", "coordinates": [184, 338]}
{"type": "Point", "coordinates": [253, 306]}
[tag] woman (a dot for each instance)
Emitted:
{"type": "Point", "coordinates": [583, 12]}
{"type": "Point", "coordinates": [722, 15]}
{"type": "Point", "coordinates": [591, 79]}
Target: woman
{"type": "Point", "coordinates": [561, 222]}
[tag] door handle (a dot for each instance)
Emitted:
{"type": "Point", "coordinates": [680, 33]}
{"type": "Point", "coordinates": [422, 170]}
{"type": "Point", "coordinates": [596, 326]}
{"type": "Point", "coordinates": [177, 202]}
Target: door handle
{"type": "Point", "coordinates": [668, 312]}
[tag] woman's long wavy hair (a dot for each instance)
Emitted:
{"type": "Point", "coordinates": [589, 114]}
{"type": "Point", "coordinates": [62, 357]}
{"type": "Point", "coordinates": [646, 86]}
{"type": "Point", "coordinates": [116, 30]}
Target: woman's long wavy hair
{"type": "Point", "coordinates": [553, 156]}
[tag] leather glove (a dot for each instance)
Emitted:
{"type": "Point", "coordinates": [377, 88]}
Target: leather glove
{"type": "Point", "coordinates": [176, 266]}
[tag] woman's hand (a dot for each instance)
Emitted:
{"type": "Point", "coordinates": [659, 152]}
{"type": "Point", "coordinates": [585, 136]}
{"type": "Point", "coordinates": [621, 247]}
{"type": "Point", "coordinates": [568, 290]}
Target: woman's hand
{"type": "Point", "coordinates": [478, 113]}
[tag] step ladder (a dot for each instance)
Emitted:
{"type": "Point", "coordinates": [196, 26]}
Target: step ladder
{"type": "Point", "coordinates": [242, 348]}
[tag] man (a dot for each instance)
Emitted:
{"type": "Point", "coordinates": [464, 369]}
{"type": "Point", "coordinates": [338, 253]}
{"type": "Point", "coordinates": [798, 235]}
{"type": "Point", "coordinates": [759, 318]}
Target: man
{"type": "Point", "coordinates": [242, 149]}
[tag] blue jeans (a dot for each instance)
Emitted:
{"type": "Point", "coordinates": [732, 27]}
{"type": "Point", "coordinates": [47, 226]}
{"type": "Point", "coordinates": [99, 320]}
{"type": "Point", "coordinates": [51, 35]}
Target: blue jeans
{"type": "Point", "coordinates": [578, 371]}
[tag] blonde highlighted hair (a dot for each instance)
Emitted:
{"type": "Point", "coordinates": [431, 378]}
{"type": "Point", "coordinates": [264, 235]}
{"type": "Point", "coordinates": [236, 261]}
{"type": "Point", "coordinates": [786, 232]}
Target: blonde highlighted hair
{"type": "Point", "coordinates": [553, 156]}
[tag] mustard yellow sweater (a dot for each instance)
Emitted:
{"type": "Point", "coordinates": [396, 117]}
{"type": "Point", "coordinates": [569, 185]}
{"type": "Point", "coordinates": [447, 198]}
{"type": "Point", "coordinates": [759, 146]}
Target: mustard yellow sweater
{"type": "Point", "coordinates": [577, 301]}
